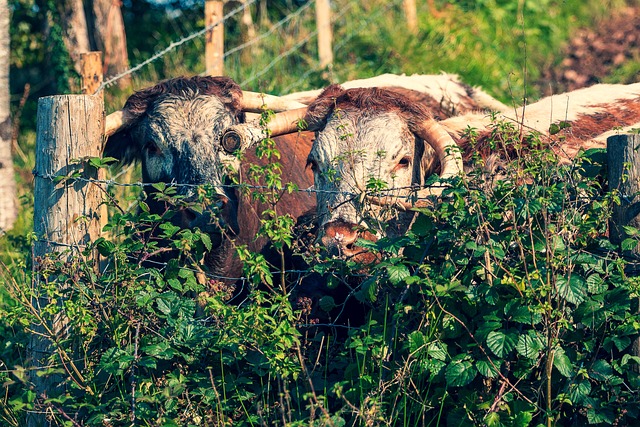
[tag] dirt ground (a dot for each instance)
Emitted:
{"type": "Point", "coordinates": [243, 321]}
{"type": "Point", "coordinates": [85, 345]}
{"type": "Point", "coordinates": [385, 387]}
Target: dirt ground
{"type": "Point", "coordinates": [595, 53]}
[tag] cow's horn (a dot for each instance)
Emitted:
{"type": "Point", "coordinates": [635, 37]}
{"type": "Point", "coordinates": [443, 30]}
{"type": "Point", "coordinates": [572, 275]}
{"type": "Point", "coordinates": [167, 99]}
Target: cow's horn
{"type": "Point", "coordinates": [116, 121]}
{"type": "Point", "coordinates": [446, 148]}
{"type": "Point", "coordinates": [243, 136]}
{"type": "Point", "coordinates": [257, 102]}
{"type": "Point", "coordinates": [450, 164]}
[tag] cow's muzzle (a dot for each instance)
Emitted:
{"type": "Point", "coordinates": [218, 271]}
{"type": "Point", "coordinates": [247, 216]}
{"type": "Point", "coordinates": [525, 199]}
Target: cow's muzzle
{"type": "Point", "coordinates": [340, 239]}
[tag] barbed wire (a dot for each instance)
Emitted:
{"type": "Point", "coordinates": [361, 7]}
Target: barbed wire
{"type": "Point", "coordinates": [308, 190]}
{"type": "Point", "coordinates": [280, 57]}
{"type": "Point", "coordinates": [174, 45]}
{"type": "Point", "coordinates": [293, 49]}
{"type": "Point", "coordinates": [277, 25]}
{"type": "Point", "coordinates": [339, 45]}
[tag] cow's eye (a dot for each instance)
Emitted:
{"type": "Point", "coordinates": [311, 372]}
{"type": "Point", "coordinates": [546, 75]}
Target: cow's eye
{"type": "Point", "coordinates": [152, 148]}
{"type": "Point", "coordinates": [404, 162]}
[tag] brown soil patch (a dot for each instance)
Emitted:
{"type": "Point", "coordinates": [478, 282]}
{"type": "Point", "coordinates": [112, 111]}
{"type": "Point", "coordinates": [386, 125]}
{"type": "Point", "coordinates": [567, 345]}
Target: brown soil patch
{"type": "Point", "coordinates": [592, 54]}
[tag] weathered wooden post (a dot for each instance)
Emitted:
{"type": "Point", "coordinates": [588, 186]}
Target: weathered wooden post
{"type": "Point", "coordinates": [69, 127]}
{"type": "Point", "coordinates": [214, 41]}
{"type": "Point", "coordinates": [623, 157]}
{"type": "Point", "coordinates": [411, 13]}
{"type": "Point", "coordinates": [323, 24]}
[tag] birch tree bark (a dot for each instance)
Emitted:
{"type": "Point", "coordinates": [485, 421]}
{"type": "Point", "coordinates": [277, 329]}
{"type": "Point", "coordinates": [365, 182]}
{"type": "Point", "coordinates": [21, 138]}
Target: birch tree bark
{"type": "Point", "coordinates": [8, 199]}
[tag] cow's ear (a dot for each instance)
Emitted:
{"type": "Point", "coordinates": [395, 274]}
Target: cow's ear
{"type": "Point", "coordinates": [322, 107]}
{"type": "Point", "coordinates": [122, 146]}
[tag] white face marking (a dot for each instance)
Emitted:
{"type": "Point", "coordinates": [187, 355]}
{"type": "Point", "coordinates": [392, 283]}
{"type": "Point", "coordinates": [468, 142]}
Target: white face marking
{"type": "Point", "coordinates": [356, 154]}
{"type": "Point", "coordinates": [180, 139]}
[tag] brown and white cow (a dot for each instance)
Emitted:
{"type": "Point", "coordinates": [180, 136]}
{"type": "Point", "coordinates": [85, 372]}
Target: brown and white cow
{"type": "Point", "coordinates": [366, 139]}
{"type": "Point", "coordinates": [174, 130]}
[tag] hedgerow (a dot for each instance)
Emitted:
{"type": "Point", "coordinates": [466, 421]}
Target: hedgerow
{"type": "Point", "coordinates": [505, 304]}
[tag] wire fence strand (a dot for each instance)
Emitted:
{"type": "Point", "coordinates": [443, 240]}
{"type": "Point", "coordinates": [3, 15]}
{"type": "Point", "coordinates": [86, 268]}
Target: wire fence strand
{"type": "Point", "coordinates": [174, 45]}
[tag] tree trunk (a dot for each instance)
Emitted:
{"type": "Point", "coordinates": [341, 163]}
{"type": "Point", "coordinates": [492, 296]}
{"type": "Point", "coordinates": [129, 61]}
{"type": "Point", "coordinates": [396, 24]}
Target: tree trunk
{"type": "Point", "coordinates": [8, 202]}
{"type": "Point", "coordinates": [110, 38]}
{"type": "Point", "coordinates": [76, 32]}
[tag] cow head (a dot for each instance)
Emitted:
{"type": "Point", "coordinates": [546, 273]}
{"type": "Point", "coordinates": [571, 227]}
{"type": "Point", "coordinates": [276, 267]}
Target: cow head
{"type": "Point", "coordinates": [372, 147]}
{"type": "Point", "coordinates": [173, 129]}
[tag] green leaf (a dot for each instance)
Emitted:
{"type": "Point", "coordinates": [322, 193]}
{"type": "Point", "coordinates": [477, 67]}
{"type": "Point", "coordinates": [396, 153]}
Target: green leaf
{"type": "Point", "coordinates": [437, 351]}
{"type": "Point", "coordinates": [164, 305]}
{"type": "Point", "coordinates": [160, 186]}
{"type": "Point", "coordinates": [327, 303]}
{"type": "Point", "coordinates": [488, 369]}
{"type": "Point", "coordinates": [522, 313]}
{"type": "Point", "coordinates": [522, 419]}
{"type": "Point", "coordinates": [206, 241]}
{"type": "Point", "coordinates": [168, 229]}
{"type": "Point", "coordinates": [629, 244]}
{"type": "Point", "coordinates": [630, 231]}
{"type": "Point", "coordinates": [530, 344]}
{"type": "Point", "coordinates": [572, 290]}
{"type": "Point", "coordinates": [459, 373]}
{"type": "Point", "coordinates": [397, 273]}
{"type": "Point", "coordinates": [596, 284]}
{"type": "Point", "coordinates": [578, 392]}
{"type": "Point", "coordinates": [600, 416]}
{"type": "Point", "coordinates": [416, 341]}
{"type": "Point", "coordinates": [500, 343]}
{"type": "Point", "coordinates": [562, 363]}
{"type": "Point", "coordinates": [105, 248]}
{"type": "Point", "coordinates": [601, 371]}
{"type": "Point", "coordinates": [486, 327]}
{"type": "Point", "coordinates": [492, 419]}
{"type": "Point", "coordinates": [175, 284]}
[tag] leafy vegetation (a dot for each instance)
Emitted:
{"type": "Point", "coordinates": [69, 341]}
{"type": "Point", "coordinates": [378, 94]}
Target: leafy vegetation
{"type": "Point", "coordinates": [504, 304]}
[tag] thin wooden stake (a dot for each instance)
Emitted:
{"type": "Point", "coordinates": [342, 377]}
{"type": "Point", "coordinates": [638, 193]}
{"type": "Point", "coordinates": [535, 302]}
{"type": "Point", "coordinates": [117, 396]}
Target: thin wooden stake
{"type": "Point", "coordinates": [410, 12]}
{"type": "Point", "coordinates": [214, 41]}
{"type": "Point", "coordinates": [91, 71]}
{"type": "Point", "coordinates": [323, 23]}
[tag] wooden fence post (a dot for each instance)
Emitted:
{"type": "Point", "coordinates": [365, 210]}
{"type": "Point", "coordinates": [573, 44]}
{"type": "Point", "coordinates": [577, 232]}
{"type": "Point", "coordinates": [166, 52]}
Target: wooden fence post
{"type": "Point", "coordinates": [214, 41]}
{"type": "Point", "coordinates": [323, 24]}
{"type": "Point", "coordinates": [65, 215]}
{"type": "Point", "coordinates": [623, 157]}
{"type": "Point", "coordinates": [410, 12]}
{"type": "Point", "coordinates": [91, 72]}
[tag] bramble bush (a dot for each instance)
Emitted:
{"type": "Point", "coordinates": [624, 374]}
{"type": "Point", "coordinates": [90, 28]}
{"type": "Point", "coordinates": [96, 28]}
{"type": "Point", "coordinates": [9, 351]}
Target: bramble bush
{"type": "Point", "coordinates": [505, 304]}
